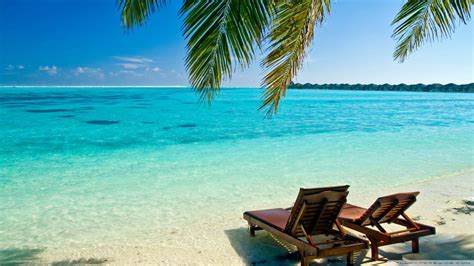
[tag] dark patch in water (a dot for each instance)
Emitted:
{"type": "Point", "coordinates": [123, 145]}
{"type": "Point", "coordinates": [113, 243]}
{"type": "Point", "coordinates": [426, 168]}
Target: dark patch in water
{"type": "Point", "coordinates": [14, 105]}
{"type": "Point", "coordinates": [42, 103]}
{"type": "Point", "coordinates": [81, 100]}
{"type": "Point", "coordinates": [102, 122]}
{"type": "Point", "coordinates": [147, 122]}
{"type": "Point", "coordinates": [48, 111]}
{"type": "Point", "coordinates": [166, 128]}
{"type": "Point", "coordinates": [85, 108]}
{"type": "Point", "coordinates": [187, 125]}
{"type": "Point", "coordinates": [137, 107]}
{"type": "Point", "coordinates": [140, 101]}
{"type": "Point", "coordinates": [66, 116]}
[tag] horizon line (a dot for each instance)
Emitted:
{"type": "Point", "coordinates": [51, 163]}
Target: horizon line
{"type": "Point", "coordinates": [91, 86]}
{"type": "Point", "coordinates": [187, 86]}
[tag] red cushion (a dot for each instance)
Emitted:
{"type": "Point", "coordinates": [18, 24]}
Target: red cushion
{"type": "Point", "coordinates": [351, 212]}
{"type": "Point", "coordinates": [275, 217]}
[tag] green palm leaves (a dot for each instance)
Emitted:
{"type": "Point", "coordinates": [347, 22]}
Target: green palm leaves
{"type": "Point", "coordinates": [136, 12]}
{"type": "Point", "coordinates": [426, 20]}
{"type": "Point", "coordinates": [225, 34]}
{"type": "Point", "coordinates": [291, 33]}
{"type": "Point", "coordinates": [221, 34]}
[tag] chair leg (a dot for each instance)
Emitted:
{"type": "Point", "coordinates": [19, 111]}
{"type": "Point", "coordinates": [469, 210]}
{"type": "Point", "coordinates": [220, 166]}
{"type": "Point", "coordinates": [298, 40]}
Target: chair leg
{"type": "Point", "coordinates": [252, 230]}
{"type": "Point", "coordinates": [415, 245]}
{"type": "Point", "coordinates": [350, 259]}
{"type": "Point", "coordinates": [304, 260]}
{"type": "Point", "coordinates": [374, 250]}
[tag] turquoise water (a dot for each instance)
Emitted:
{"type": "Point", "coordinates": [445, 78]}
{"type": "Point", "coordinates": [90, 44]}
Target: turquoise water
{"type": "Point", "coordinates": [90, 166]}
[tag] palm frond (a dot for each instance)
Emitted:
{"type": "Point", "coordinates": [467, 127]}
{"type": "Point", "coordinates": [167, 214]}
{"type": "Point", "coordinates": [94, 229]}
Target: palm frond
{"type": "Point", "coordinates": [290, 35]}
{"type": "Point", "coordinates": [136, 12]}
{"type": "Point", "coordinates": [427, 20]}
{"type": "Point", "coordinates": [218, 33]}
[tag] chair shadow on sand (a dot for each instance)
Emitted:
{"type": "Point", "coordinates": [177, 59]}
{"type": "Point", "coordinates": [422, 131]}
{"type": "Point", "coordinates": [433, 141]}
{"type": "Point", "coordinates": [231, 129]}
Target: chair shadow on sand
{"type": "Point", "coordinates": [17, 256]}
{"type": "Point", "coordinates": [263, 249]}
{"type": "Point", "coordinates": [439, 247]}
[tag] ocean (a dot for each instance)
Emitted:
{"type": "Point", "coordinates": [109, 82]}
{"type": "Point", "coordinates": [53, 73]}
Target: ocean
{"type": "Point", "coordinates": [91, 167]}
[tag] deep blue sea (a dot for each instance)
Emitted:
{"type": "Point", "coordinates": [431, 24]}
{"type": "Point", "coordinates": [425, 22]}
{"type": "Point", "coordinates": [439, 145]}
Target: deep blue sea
{"type": "Point", "coordinates": [87, 166]}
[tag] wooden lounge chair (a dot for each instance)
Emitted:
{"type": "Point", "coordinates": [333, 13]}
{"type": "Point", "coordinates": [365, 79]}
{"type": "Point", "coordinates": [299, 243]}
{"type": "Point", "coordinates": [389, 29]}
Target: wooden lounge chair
{"type": "Point", "coordinates": [314, 215]}
{"type": "Point", "coordinates": [386, 210]}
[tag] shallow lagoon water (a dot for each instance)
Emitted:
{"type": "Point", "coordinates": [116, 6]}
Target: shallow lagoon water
{"type": "Point", "coordinates": [101, 166]}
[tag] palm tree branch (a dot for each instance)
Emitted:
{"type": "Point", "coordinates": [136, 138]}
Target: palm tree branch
{"type": "Point", "coordinates": [420, 21]}
{"type": "Point", "coordinates": [291, 34]}
{"type": "Point", "coordinates": [136, 12]}
{"type": "Point", "coordinates": [220, 34]}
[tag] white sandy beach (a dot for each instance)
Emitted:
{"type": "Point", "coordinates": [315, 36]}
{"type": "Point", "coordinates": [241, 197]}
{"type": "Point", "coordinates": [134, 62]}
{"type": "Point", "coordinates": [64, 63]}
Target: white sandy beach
{"type": "Point", "coordinates": [445, 202]}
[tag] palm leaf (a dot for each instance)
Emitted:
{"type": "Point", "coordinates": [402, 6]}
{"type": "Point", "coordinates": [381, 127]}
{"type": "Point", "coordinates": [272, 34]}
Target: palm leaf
{"type": "Point", "coordinates": [290, 35]}
{"type": "Point", "coordinates": [136, 12]}
{"type": "Point", "coordinates": [217, 33]}
{"type": "Point", "coordinates": [427, 20]}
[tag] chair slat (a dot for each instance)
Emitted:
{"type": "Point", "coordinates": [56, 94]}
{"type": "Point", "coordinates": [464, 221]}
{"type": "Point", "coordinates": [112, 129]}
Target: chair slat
{"type": "Point", "coordinates": [320, 212]}
{"type": "Point", "coordinates": [387, 209]}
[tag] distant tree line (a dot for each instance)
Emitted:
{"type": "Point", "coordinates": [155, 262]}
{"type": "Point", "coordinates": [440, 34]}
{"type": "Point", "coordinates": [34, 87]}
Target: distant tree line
{"type": "Point", "coordinates": [468, 88]}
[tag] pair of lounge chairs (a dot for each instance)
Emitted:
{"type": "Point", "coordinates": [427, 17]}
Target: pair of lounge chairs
{"type": "Point", "coordinates": [315, 224]}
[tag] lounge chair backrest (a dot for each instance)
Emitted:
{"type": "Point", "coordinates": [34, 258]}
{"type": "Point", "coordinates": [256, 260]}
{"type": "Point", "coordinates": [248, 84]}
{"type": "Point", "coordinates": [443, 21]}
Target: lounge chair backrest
{"type": "Point", "coordinates": [387, 209]}
{"type": "Point", "coordinates": [316, 213]}
{"type": "Point", "coordinates": [312, 191]}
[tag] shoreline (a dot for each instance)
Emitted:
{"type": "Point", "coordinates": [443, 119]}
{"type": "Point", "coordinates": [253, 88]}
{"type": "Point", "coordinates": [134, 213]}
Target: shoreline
{"type": "Point", "coordinates": [444, 202]}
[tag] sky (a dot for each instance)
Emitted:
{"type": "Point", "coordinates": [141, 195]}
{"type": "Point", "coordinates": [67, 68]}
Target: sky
{"type": "Point", "coordinates": [81, 42]}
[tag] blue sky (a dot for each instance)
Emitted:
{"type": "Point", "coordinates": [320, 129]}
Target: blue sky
{"type": "Point", "coordinates": [80, 42]}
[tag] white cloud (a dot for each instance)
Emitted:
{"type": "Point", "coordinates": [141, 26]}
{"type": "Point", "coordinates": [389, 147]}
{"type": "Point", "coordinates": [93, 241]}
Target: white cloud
{"type": "Point", "coordinates": [154, 69]}
{"type": "Point", "coordinates": [12, 67]}
{"type": "Point", "coordinates": [88, 71]}
{"type": "Point", "coordinates": [131, 65]}
{"type": "Point", "coordinates": [53, 70]}
{"type": "Point", "coordinates": [79, 70]}
{"type": "Point", "coordinates": [126, 72]}
{"type": "Point", "coordinates": [133, 62]}
{"type": "Point", "coordinates": [136, 59]}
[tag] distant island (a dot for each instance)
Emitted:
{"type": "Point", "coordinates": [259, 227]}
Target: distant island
{"type": "Point", "coordinates": [467, 88]}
